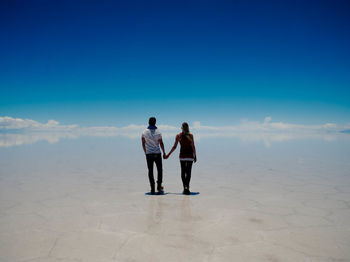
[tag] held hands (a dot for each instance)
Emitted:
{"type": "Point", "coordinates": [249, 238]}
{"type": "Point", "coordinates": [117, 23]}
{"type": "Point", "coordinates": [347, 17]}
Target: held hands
{"type": "Point", "coordinates": [165, 156]}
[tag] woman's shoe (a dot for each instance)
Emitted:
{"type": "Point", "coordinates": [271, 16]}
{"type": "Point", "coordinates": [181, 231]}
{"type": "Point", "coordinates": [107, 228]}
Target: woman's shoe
{"type": "Point", "coordinates": [152, 190]}
{"type": "Point", "coordinates": [160, 189]}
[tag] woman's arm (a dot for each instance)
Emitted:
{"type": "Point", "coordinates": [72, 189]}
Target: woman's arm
{"type": "Point", "coordinates": [174, 146]}
{"type": "Point", "coordinates": [194, 150]}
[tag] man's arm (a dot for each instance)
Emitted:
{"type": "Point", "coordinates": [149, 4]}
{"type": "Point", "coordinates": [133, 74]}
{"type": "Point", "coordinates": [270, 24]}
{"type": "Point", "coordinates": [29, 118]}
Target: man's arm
{"type": "Point", "coordinates": [144, 144]}
{"type": "Point", "coordinates": [162, 145]}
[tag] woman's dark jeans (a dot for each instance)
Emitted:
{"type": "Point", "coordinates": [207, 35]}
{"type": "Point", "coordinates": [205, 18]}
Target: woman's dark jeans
{"type": "Point", "coordinates": [157, 158]}
{"type": "Point", "coordinates": [186, 167]}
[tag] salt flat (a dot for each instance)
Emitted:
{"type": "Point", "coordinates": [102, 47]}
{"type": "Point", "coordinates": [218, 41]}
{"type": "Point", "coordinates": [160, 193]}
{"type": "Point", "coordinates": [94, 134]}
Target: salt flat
{"type": "Point", "coordinates": [84, 200]}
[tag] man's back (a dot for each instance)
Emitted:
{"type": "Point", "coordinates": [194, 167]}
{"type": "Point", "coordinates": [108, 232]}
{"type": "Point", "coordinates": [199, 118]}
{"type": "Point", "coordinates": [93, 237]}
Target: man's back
{"type": "Point", "coordinates": [152, 137]}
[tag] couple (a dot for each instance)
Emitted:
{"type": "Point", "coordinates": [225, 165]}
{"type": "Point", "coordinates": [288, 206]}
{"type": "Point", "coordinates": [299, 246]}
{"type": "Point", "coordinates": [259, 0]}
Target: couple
{"type": "Point", "coordinates": [152, 139]}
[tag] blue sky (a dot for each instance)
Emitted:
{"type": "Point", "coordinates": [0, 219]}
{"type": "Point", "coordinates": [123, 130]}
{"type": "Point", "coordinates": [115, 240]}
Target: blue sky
{"type": "Point", "coordinates": [118, 62]}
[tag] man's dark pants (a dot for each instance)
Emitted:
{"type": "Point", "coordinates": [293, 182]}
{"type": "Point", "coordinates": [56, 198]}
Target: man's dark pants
{"type": "Point", "coordinates": [154, 158]}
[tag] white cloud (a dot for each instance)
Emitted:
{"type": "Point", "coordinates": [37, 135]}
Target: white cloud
{"type": "Point", "coordinates": [17, 131]}
{"type": "Point", "coordinates": [8, 139]}
{"type": "Point", "coordinates": [10, 123]}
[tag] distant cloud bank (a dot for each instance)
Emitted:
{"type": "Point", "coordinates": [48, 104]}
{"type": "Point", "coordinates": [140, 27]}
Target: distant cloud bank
{"type": "Point", "coordinates": [17, 131]}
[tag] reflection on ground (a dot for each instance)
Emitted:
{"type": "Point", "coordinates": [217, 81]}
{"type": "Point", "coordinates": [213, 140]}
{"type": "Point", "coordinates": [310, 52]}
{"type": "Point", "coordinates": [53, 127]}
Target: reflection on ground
{"type": "Point", "coordinates": [84, 200]}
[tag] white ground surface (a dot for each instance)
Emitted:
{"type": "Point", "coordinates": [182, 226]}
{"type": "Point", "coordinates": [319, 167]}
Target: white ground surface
{"type": "Point", "coordinates": [85, 201]}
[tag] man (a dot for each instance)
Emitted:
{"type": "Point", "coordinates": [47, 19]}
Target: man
{"type": "Point", "coordinates": [151, 140]}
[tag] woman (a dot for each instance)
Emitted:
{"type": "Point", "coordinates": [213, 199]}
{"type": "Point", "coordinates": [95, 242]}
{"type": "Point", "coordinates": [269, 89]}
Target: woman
{"type": "Point", "coordinates": [187, 155]}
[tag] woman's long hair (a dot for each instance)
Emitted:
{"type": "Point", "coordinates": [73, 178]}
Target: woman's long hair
{"type": "Point", "coordinates": [186, 130]}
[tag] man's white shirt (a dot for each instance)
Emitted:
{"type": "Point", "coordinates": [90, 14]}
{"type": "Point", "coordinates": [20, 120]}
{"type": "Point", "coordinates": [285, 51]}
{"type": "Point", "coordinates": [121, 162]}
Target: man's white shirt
{"type": "Point", "coordinates": [152, 137]}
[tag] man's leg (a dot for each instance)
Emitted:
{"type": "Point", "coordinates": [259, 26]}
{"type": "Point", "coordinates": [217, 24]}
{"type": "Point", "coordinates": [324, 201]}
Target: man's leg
{"type": "Point", "coordinates": [150, 159]}
{"type": "Point", "coordinates": [158, 160]}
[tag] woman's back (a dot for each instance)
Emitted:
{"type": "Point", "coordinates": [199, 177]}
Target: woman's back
{"type": "Point", "coordinates": [186, 149]}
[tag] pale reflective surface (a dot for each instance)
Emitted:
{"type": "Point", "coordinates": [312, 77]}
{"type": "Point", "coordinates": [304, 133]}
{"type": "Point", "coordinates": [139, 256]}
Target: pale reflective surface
{"type": "Point", "coordinates": [84, 199]}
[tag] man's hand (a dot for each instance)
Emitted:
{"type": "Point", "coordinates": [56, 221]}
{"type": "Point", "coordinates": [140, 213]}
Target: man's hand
{"type": "Point", "coordinates": [195, 159]}
{"type": "Point", "coordinates": [165, 156]}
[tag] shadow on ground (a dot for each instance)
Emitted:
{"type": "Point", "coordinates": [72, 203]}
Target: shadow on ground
{"type": "Point", "coordinates": [170, 193]}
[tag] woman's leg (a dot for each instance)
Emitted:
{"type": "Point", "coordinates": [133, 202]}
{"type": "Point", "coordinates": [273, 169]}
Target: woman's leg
{"type": "Point", "coordinates": [183, 173]}
{"type": "Point", "coordinates": [188, 173]}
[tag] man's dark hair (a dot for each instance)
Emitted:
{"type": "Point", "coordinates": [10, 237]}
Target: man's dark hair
{"type": "Point", "coordinates": [152, 121]}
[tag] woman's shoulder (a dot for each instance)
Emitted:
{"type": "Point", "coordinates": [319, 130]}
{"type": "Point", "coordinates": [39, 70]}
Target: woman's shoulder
{"type": "Point", "coordinates": [179, 136]}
